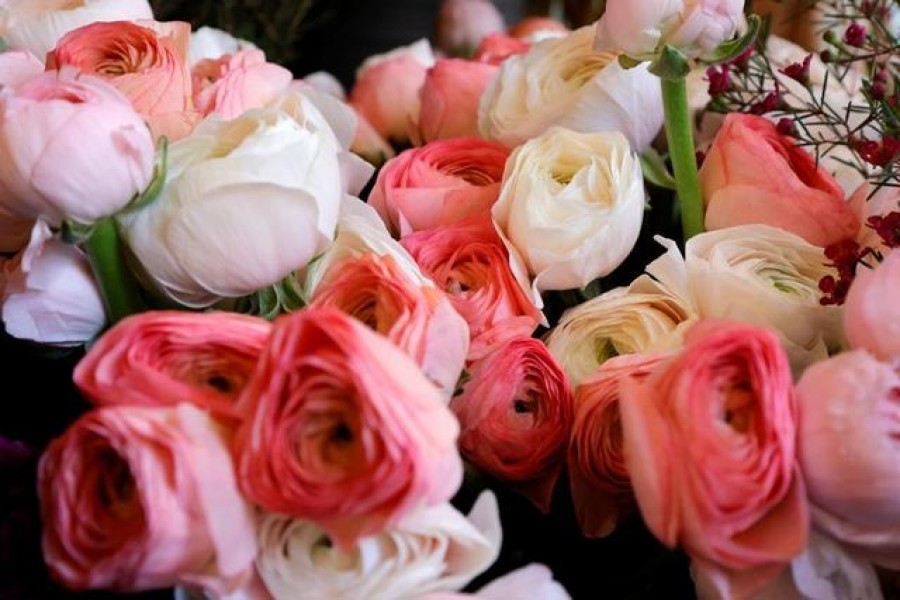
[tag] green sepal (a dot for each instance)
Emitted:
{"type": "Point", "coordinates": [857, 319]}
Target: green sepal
{"type": "Point", "coordinates": [733, 48]}
{"type": "Point", "coordinates": [153, 189]}
{"type": "Point", "coordinates": [75, 233]}
{"type": "Point", "coordinates": [274, 300]}
{"type": "Point", "coordinates": [671, 64]}
{"type": "Point", "coordinates": [592, 290]}
{"type": "Point", "coordinates": [655, 170]}
{"type": "Point", "coordinates": [627, 62]}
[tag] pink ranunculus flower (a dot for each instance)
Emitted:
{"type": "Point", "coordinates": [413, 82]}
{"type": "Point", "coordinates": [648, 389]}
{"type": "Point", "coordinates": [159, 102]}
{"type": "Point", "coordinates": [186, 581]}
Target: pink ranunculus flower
{"type": "Point", "coordinates": [450, 97]}
{"type": "Point", "coordinates": [162, 358]}
{"type": "Point", "coordinates": [38, 26]}
{"type": "Point", "coordinates": [795, 194]}
{"type": "Point", "coordinates": [342, 428]}
{"type": "Point", "coordinates": [515, 414]}
{"type": "Point", "coordinates": [70, 147]}
{"type": "Point", "coordinates": [710, 446]}
{"type": "Point", "coordinates": [386, 91]}
{"type": "Point", "coordinates": [598, 475]}
{"type": "Point", "coordinates": [640, 28]}
{"type": "Point", "coordinates": [140, 498]}
{"type": "Point", "coordinates": [462, 24]}
{"type": "Point", "coordinates": [439, 184]}
{"type": "Point", "coordinates": [469, 261]}
{"type": "Point", "coordinates": [871, 316]}
{"type": "Point", "coordinates": [146, 61]}
{"type": "Point", "coordinates": [419, 319]}
{"type": "Point", "coordinates": [18, 66]}
{"type": "Point", "coordinates": [369, 144]}
{"type": "Point", "coordinates": [497, 47]}
{"type": "Point", "coordinates": [849, 408]}
{"type": "Point", "coordinates": [233, 83]}
{"type": "Point", "coordinates": [48, 293]}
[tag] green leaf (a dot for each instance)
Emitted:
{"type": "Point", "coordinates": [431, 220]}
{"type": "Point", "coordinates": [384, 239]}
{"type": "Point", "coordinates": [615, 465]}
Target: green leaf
{"type": "Point", "coordinates": [671, 64]}
{"type": "Point", "coordinates": [655, 170]}
{"type": "Point", "coordinates": [733, 48]}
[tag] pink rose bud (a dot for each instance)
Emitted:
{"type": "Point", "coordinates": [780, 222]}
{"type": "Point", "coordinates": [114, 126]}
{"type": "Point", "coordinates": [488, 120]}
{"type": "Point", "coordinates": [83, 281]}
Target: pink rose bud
{"type": "Point", "coordinates": [710, 446]}
{"type": "Point", "coordinates": [642, 27]}
{"type": "Point", "coordinates": [237, 82]}
{"type": "Point", "coordinates": [450, 98]}
{"type": "Point", "coordinates": [342, 428]}
{"type": "Point", "coordinates": [420, 320]}
{"type": "Point", "coordinates": [468, 260]}
{"type": "Point", "coordinates": [497, 47]}
{"type": "Point", "coordinates": [142, 498]}
{"type": "Point", "coordinates": [438, 184]}
{"type": "Point", "coordinates": [146, 61]}
{"type": "Point", "coordinates": [871, 315]}
{"type": "Point", "coordinates": [71, 146]}
{"type": "Point", "coordinates": [849, 418]}
{"type": "Point", "coordinates": [601, 486]}
{"type": "Point", "coordinates": [462, 24]}
{"type": "Point", "coordinates": [18, 66]}
{"type": "Point", "coordinates": [795, 194]}
{"type": "Point", "coordinates": [387, 87]}
{"type": "Point", "coordinates": [162, 358]}
{"type": "Point", "coordinates": [515, 414]}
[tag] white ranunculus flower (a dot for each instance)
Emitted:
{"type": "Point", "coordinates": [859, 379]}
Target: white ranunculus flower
{"type": "Point", "coordinates": [565, 82]}
{"type": "Point", "coordinates": [245, 203]}
{"type": "Point", "coordinates": [762, 275]}
{"type": "Point", "coordinates": [571, 204]}
{"type": "Point", "coordinates": [432, 549]}
{"type": "Point", "coordinates": [301, 101]}
{"type": "Point", "coordinates": [360, 231]}
{"type": "Point", "coordinates": [48, 293]}
{"type": "Point", "coordinates": [38, 26]}
{"type": "Point", "coordinates": [209, 42]}
{"type": "Point", "coordinates": [643, 317]}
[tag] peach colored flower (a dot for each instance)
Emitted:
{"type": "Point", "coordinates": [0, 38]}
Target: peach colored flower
{"type": "Point", "coordinates": [146, 61]}
{"type": "Point", "coordinates": [469, 261]}
{"type": "Point", "coordinates": [515, 414]}
{"type": "Point", "coordinates": [598, 475]}
{"type": "Point", "coordinates": [497, 47]}
{"type": "Point", "coordinates": [419, 319]}
{"type": "Point", "coordinates": [140, 498]}
{"type": "Point", "coordinates": [386, 91]}
{"type": "Point", "coordinates": [438, 184]}
{"type": "Point", "coordinates": [161, 358]}
{"type": "Point", "coordinates": [343, 429]}
{"type": "Point", "coordinates": [450, 97]}
{"type": "Point", "coordinates": [795, 194]}
{"type": "Point", "coordinates": [710, 446]}
{"type": "Point", "coordinates": [233, 83]}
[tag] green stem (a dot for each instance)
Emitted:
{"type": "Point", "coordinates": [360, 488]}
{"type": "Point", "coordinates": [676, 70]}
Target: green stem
{"type": "Point", "coordinates": [120, 292]}
{"type": "Point", "coordinates": [681, 151]}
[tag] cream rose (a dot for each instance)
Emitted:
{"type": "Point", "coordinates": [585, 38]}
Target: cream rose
{"type": "Point", "coordinates": [564, 82]}
{"type": "Point", "coordinates": [433, 549]}
{"type": "Point", "coordinates": [762, 275]}
{"type": "Point", "coordinates": [641, 318]}
{"type": "Point", "coordinates": [37, 26]}
{"type": "Point", "coordinates": [246, 202]}
{"type": "Point", "coordinates": [572, 205]}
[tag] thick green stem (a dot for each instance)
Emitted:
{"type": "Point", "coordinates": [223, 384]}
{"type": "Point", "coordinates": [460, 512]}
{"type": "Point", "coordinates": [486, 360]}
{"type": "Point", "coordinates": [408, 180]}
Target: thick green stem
{"type": "Point", "coordinates": [120, 292]}
{"type": "Point", "coordinates": [681, 151]}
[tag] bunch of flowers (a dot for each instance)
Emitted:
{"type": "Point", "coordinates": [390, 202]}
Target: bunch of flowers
{"type": "Point", "coordinates": [313, 326]}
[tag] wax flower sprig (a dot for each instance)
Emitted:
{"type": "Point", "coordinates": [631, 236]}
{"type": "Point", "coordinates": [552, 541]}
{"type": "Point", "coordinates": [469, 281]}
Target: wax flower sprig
{"type": "Point", "coordinates": [674, 36]}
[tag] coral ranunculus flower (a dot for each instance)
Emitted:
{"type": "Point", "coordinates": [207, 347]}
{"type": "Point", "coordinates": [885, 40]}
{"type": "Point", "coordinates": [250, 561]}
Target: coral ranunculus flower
{"type": "Point", "coordinates": [146, 61]}
{"type": "Point", "coordinates": [342, 428]}
{"type": "Point", "coordinates": [710, 440]}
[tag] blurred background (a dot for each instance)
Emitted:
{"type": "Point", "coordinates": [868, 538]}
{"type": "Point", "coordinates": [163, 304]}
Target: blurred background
{"type": "Point", "coordinates": [337, 35]}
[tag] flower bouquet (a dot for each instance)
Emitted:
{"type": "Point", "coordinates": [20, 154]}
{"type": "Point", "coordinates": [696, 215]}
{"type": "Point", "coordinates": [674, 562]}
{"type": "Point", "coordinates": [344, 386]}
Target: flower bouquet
{"type": "Point", "coordinates": [539, 314]}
